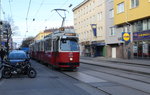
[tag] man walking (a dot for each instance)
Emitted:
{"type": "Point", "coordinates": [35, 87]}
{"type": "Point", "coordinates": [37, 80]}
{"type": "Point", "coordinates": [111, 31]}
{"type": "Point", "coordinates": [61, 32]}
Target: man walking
{"type": "Point", "coordinates": [2, 54]}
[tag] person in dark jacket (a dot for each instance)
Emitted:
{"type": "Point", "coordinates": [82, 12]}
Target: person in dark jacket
{"type": "Point", "coordinates": [2, 54]}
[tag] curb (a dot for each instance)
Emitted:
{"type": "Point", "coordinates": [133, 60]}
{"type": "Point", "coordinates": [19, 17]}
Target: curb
{"type": "Point", "coordinates": [117, 61]}
{"type": "Point", "coordinates": [127, 62]}
{"type": "Point", "coordinates": [125, 69]}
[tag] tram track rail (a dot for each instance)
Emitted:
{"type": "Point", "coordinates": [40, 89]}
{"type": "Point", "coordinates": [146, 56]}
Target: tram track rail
{"type": "Point", "coordinates": [101, 90]}
{"type": "Point", "coordinates": [131, 68]}
{"type": "Point", "coordinates": [123, 74]}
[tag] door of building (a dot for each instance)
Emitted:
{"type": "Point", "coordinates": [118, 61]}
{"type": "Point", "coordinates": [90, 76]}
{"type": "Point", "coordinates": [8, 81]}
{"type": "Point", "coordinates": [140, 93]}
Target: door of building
{"type": "Point", "coordinates": [113, 52]}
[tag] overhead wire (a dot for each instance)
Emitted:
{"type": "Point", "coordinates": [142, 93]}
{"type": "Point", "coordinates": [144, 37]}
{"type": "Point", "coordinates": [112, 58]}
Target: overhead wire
{"type": "Point", "coordinates": [3, 12]}
{"type": "Point", "coordinates": [27, 17]}
{"type": "Point", "coordinates": [41, 4]}
{"type": "Point", "coordinates": [64, 3]}
{"type": "Point", "coordinates": [45, 20]}
{"type": "Point", "coordinates": [10, 8]}
{"type": "Point", "coordinates": [36, 13]}
{"type": "Point", "coordinates": [28, 9]}
{"type": "Point", "coordinates": [53, 13]}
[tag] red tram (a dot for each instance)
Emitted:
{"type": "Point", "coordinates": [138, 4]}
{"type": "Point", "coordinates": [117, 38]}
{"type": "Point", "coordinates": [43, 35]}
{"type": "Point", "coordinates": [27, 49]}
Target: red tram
{"type": "Point", "coordinates": [59, 49]}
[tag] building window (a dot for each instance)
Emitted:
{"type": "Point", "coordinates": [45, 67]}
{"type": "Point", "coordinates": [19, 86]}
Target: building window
{"type": "Point", "coordinates": [145, 24]}
{"type": "Point", "coordinates": [100, 16]}
{"type": "Point", "coordinates": [125, 29]}
{"type": "Point", "coordinates": [135, 27]}
{"type": "Point", "coordinates": [112, 31]}
{"type": "Point", "coordinates": [99, 31]}
{"type": "Point", "coordinates": [111, 13]}
{"type": "Point", "coordinates": [120, 7]}
{"type": "Point", "coordinates": [148, 23]}
{"type": "Point", "coordinates": [110, 0]}
{"type": "Point", "coordinates": [134, 3]}
{"type": "Point", "coordinates": [139, 26]}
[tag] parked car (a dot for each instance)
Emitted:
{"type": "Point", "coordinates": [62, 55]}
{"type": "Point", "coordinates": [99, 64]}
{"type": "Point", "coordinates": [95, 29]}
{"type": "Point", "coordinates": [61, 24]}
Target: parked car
{"type": "Point", "coordinates": [16, 56]}
{"type": "Point", "coordinates": [17, 63]}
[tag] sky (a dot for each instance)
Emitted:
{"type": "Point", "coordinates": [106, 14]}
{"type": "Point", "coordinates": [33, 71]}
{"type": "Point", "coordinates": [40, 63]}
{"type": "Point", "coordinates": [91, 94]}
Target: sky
{"type": "Point", "coordinates": [32, 16]}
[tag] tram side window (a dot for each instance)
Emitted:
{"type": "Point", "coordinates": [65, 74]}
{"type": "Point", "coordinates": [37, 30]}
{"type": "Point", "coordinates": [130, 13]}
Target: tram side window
{"type": "Point", "coordinates": [55, 44]}
{"type": "Point", "coordinates": [42, 46]}
{"type": "Point", "coordinates": [47, 45]}
{"type": "Point", "coordinates": [38, 47]}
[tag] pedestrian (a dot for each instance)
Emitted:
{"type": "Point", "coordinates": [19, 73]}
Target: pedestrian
{"type": "Point", "coordinates": [2, 54]}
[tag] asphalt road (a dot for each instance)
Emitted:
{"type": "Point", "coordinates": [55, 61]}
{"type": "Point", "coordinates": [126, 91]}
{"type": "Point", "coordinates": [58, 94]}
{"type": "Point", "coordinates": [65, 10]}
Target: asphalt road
{"type": "Point", "coordinates": [47, 82]}
{"type": "Point", "coordinates": [87, 80]}
{"type": "Point", "coordinates": [112, 81]}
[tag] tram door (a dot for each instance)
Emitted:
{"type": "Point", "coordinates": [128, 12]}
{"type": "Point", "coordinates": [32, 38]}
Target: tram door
{"type": "Point", "coordinates": [55, 50]}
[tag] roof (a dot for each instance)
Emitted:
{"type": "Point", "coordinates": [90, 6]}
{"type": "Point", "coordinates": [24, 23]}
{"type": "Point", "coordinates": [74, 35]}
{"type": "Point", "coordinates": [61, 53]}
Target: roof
{"type": "Point", "coordinates": [82, 3]}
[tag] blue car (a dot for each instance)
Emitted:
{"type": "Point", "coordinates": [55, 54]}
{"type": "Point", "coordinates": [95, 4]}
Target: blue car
{"type": "Point", "coordinates": [17, 63]}
{"type": "Point", "coordinates": [17, 56]}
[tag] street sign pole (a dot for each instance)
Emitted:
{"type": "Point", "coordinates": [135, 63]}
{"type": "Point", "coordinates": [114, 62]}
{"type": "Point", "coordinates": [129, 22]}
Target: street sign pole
{"type": "Point", "coordinates": [126, 37]}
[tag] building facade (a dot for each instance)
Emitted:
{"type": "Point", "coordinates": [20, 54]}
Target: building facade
{"type": "Point", "coordinates": [133, 16]}
{"type": "Point", "coordinates": [89, 24]}
{"type": "Point", "coordinates": [5, 35]}
{"type": "Point", "coordinates": [114, 43]}
{"type": "Point", "coordinates": [41, 35]}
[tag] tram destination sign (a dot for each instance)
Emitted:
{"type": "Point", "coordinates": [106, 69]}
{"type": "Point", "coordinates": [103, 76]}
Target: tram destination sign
{"type": "Point", "coordinates": [144, 35]}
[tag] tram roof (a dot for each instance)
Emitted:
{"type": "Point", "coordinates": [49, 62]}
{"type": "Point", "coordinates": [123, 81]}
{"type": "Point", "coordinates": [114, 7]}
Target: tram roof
{"type": "Point", "coordinates": [60, 33]}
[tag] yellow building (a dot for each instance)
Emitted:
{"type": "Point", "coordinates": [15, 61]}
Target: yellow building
{"type": "Point", "coordinates": [41, 35]}
{"type": "Point", "coordinates": [130, 10]}
{"type": "Point", "coordinates": [89, 24]}
{"type": "Point", "coordinates": [134, 16]}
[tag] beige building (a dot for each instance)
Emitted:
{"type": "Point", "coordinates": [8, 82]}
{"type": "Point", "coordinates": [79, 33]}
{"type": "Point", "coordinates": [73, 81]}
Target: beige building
{"type": "Point", "coordinates": [41, 35]}
{"type": "Point", "coordinates": [89, 24]}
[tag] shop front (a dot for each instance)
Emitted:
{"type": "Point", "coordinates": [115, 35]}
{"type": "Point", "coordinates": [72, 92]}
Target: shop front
{"type": "Point", "coordinates": [86, 49]}
{"type": "Point", "coordinates": [114, 50]}
{"type": "Point", "coordinates": [98, 49]}
{"type": "Point", "coordinates": [141, 45]}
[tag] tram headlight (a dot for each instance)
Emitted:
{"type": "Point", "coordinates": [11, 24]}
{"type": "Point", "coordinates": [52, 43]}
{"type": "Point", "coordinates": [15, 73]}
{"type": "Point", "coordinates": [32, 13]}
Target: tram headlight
{"type": "Point", "coordinates": [71, 59]}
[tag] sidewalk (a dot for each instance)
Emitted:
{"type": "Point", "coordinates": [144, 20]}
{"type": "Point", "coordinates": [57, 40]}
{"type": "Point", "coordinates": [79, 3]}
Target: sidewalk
{"type": "Point", "coordinates": [145, 62]}
{"type": "Point", "coordinates": [142, 68]}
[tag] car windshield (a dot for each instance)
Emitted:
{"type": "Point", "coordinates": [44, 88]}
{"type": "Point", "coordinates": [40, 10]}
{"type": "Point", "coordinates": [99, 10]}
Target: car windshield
{"type": "Point", "coordinates": [69, 45]}
{"type": "Point", "coordinates": [17, 56]}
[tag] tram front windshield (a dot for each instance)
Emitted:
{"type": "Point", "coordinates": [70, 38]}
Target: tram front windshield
{"type": "Point", "coordinates": [69, 45]}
